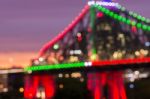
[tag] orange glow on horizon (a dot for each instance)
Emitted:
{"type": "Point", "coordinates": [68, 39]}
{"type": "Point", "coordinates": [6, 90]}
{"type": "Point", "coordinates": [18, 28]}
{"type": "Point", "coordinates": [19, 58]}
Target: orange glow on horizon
{"type": "Point", "coordinates": [16, 59]}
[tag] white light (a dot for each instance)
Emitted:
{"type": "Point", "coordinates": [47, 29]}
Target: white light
{"type": "Point", "coordinates": [144, 75]}
{"type": "Point", "coordinates": [76, 75]}
{"type": "Point", "coordinates": [36, 62]}
{"type": "Point", "coordinates": [4, 72]}
{"type": "Point", "coordinates": [43, 95]}
{"type": "Point", "coordinates": [61, 86]}
{"type": "Point", "coordinates": [75, 52]}
{"type": "Point", "coordinates": [130, 12]}
{"type": "Point", "coordinates": [56, 46]}
{"type": "Point", "coordinates": [132, 79]}
{"type": "Point", "coordinates": [15, 70]}
{"type": "Point", "coordinates": [137, 53]}
{"type": "Point", "coordinates": [129, 75]}
{"type": "Point", "coordinates": [38, 95]}
{"type": "Point", "coordinates": [144, 52]}
{"type": "Point", "coordinates": [78, 34]}
{"type": "Point", "coordinates": [66, 75]}
{"type": "Point", "coordinates": [147, 44]}
{"type": "Point", "coordinates": [41, 59]}
{"type": "Point", "coordinates": [131, 86]}
{"type": "Point", "coordinates": [29, 71]}
{"type": "Point", "coordinates": [115, 55]}
{"type": "Point", "coordinates": [87, 64]}
{"type": "Point", "coordinates": [136, 72]}
{"type": "Point", "coordinates": [90, 63]}
{"type": "Point", "coordinates": [102, 3]}
{"type": "Point", "coordinates": [11, 71]}
{"type": "Point", "coordinates": [21, 89]}
{"type": "Point", "coordinates": [60, 75]}
{"type": "Point", "coordinates": [91, 3]}
{"type": "Point", "coordinates": [71, 52]}
{"type": "Point", "coordinates": [5, 90]}
{"type": "Point", "coordinates": [81, 79]}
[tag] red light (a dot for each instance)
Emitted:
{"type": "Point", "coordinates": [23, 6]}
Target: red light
{"type": "Point", "coordinates": [79, 37]}
{"type": "Point", "coordinates": [89, 29]}
{"type": "Point", "coordinates": [100, 14]}
{"type": "Point", "coordinates": [122, 61]}
{"type": "Point", "coordinates": [64, 32]}
{"type": "Point", "coordinates": [134, 29]}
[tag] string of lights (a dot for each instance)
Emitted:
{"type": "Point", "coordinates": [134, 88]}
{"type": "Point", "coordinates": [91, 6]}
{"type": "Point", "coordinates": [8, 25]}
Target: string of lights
{"type": "Point", "coordinates": [65, 31]}
{"type": "Point", "coordinates": [122, 19]}
{"type": "Point", "coordinates": [133, 14]}
{"type": "Point", "coordinates": [107, 12]}
{"type": "Point", "coordinates": [120, 7]}
{"type": "Point", "coordinates": [88, 64]}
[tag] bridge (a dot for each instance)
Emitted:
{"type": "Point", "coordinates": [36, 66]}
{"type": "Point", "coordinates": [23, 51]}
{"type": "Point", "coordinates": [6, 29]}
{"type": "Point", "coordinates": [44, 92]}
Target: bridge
{"type": "Point", "coordinates": [105, 35]}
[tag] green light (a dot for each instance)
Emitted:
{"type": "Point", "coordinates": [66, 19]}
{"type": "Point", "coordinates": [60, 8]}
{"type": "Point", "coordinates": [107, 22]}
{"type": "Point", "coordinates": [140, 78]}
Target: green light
{"type": "Point", "coordinates": [123, 8]}
{"type": "Point", "coordinates": [55, 66]}
{"type": "Point", "coordinates": [92, 16]}
{"type": "Point", "coordinates": [148, 20]}
{"type": "Point", "coordinates": [99, 7]}
{"type": "Point", "coordinates": [143, 19]}
{"type": "Point", "coordinates": [111, 14]}
{"type": "Point", "coordinates": [135, 15]}
{"type": "Point", "coordinates": [133, 23]}
{"type": "Point", "coordinates": [139, 25]}
{"type": "Point", "coordinates": [123, 19]}
{"type": "Point", "coordinates": [115, 16]}
{"type": "Point", "coordinates": [139, 17]}
{"type": "Point", "coordinates": [93, 57]}
{"type": "Point", "coordinates": [144, 27]}
{"type": "Point", "coordinates": [56, 46]}
{"type": "Point", "coordinates": [107, 11]}
{"type": "Point", "coordinates": [94, 51]}
{"type": "Point", "coordinates": [148, 28]}
{"type": "Point", "coordinates": [119, 18]}
{"type": "Point", "coordinates": [103, 9]}
{"type": "Point", "coordinates": [128, 21]}
{"type": "Point", "coordinates": [96, 5]}
{"type": "Point", "coordinates": [130, 12]}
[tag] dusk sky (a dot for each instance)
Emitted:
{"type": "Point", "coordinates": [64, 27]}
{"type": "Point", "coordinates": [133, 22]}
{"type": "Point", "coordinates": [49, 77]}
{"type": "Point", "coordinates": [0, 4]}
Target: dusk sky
{"type": "Point", "coordinates": [25, 25]}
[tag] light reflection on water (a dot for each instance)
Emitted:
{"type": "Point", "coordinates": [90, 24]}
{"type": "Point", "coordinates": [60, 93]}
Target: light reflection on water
{"type": "Point", "coordinates": [133, 84]}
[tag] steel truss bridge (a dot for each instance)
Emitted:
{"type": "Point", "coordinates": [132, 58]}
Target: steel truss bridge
{"type": "Point", "coordinates": [104, 36]}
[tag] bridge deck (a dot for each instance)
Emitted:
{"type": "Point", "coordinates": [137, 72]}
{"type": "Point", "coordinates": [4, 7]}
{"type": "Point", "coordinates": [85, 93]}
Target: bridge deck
{"type": "Point", "coordinates": [92, 66]}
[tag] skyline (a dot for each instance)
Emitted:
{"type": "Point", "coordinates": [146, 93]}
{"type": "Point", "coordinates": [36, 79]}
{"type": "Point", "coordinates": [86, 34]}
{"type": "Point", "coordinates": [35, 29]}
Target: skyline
{"type": "Point", "coordinates": [25, 26]}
